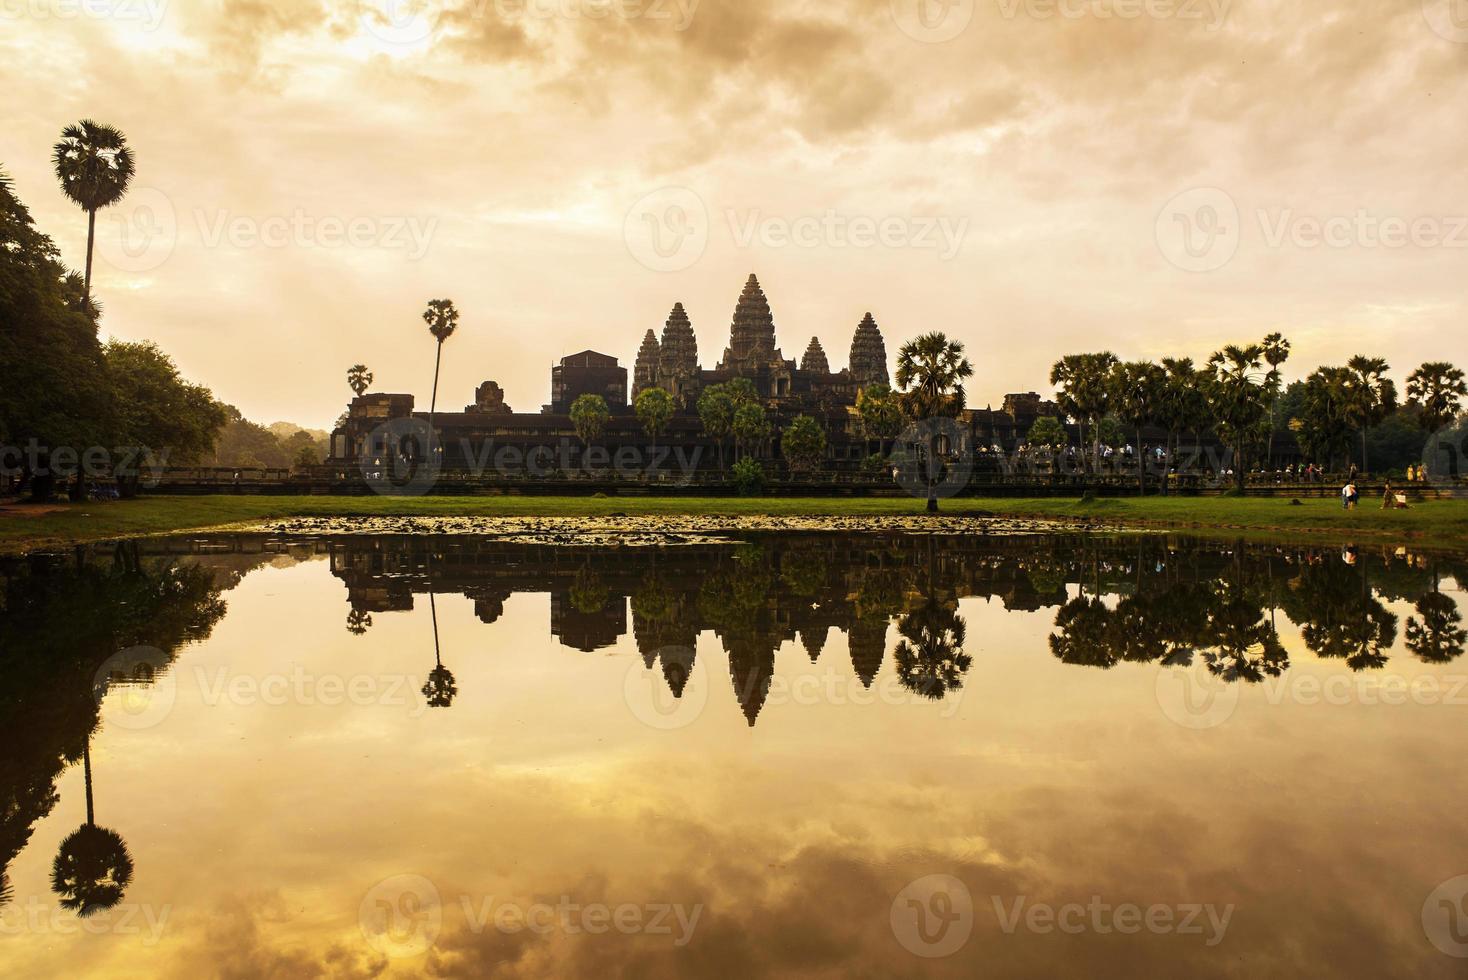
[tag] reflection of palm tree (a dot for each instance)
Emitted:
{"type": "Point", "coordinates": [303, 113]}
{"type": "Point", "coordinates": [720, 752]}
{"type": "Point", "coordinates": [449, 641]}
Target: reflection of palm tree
{"type": "Point", "coordinates": [440, 689]}
{"type": "Point", "coordinates": [92, 867]}
{"type": "Point", "coordinates": [358, 622]}
{"type": "Point", "coordinates": [930, 657]}
{"type": "Point", "coordinates": [1240, 644]}
{"type": "Point", "coordinates": [1437, 637]}
{"type": "Point", "coordinates": [1082, 634]}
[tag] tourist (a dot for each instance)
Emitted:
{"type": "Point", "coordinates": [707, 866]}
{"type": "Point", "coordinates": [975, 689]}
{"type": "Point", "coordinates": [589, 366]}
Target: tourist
{"type": "Point", "coordinates": [1349, 495]}
{"type": "Point", "coordinates": [1386, 496]}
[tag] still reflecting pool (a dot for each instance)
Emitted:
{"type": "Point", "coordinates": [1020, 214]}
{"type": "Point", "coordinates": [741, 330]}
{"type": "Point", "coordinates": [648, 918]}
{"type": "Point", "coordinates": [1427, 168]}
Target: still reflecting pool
{"type": "Point", "coordinates": [811, 755]}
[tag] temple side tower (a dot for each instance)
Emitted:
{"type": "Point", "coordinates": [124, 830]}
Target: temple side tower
{"type": "Point", "coordinates": [645, 373]}
{"type": "Point", "coordinates": [868, 354]}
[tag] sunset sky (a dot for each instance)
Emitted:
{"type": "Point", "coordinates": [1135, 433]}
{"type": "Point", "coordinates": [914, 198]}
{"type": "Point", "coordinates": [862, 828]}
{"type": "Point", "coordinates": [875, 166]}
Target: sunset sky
{"type": "Point", "coordinates": [1034, 177]}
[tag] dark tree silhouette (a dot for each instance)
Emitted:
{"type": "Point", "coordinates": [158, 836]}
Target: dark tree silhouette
{"type": "Point", "coordinates": [92, 867]}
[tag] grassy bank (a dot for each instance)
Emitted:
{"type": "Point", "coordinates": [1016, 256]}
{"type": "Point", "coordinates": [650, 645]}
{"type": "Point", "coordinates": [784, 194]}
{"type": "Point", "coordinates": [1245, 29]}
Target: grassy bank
{"type": "Point", "coordinates": [1443, 522]}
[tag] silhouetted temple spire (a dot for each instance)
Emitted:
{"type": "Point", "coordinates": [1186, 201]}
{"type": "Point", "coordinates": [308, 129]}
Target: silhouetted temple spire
{"type": "Point", "coordinates": [645, 374]}
{"type": "Point", "coordinates": [868, 354]}
{"type": "Point", "coordinates": [815, 358]}
{"type": "Point", "coordinates": [813, 638]}
{"type": "Point", "coordinates": [677, 667]}
{"type": "Point", "coordinates": [679, 345]}
{"type": "Point", "coordinates": [752, 335]}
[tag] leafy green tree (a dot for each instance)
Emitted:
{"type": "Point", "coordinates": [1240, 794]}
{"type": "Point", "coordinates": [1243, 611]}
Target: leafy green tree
{"type": "Point", "coordinates": [1082, 388]}
{"type": "Point", "coordinates": [1183, 406]}
{"type": "Point", "coordinates": [1048, 433]}
{"type": "Point", "coordinates": [1371, 397]}
{"type": "Point", "coordinates": [803, 444]}
{"type": "Point", "coordinates": [716, 414]}
{"type": "Point", "coordinates": [931, 370]}
{"type": "Point", "coordinates": [1138, 389]}
{"type": "Point", "coordinates": [880, 412]}
{"type": "Point", "coordinates": [751, 428]}
{"type": "Point", "coordinates": [53, 386]}
{"type": "Point", "coordinates": [1239, 392]}
{"type": "Point", "coordinates": [590, 415]}
{"type": "Point", "coordinates": [1437, 637]}
{"type": "Point", "coordinates": [1439, 388]}
{"type": "Point", "coordinates": [359, 379]}
{"type": "Point", "coordinates": [654, 410]}
{"type": "Point", "coordinates": [749, 475]}
{"type": "Point", "coordinates": [156, 409]}
{"type": "Point", "coordinates": [95, 167]}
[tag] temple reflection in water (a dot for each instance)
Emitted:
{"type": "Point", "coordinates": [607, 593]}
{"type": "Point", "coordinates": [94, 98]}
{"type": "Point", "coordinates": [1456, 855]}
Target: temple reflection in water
{"type": "Point", "coordinates": [1140, 599]}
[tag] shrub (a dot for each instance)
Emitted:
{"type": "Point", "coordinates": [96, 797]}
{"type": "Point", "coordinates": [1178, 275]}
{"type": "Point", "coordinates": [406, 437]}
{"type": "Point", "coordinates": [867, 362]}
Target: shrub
{"type": "Point", "coordinates": [749, 476]}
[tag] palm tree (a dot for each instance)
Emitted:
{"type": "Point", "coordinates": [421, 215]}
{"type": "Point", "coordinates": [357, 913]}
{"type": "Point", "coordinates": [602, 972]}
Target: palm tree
{"type": "Point", "coordinates": [359, 379]}
{"type": "Point", "coordinates": [1083, 392]}
{"type": "Point", "coordinates": [930, 373]}
{"type": "Point", "coordinates": [441, 689]}
{"type": "Point", "coordinates": [442, 319]}
{"type": "Point", "coordinates": [1439, 388]}
{"type": "Point", "coordinates": [1276, 352]}
{"type": "Point", "coordinates": [1238, 396]}
{"type": "Point", "coordinates": [92, 867]}
{"type": "Point", "coordinates": [1372, 396]}
{"type": "Point", "coordinates": [1182, 406]}
{"type": "Point", "coordinates": [1138, 389]}
{"type": "Point", "coordinates": [930, 657]}
{"type": "Point", "coordinates": [95, 166]}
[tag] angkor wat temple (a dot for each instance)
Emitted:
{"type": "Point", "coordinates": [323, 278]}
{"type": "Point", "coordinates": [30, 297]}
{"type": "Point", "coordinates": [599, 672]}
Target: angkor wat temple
{"type": "Point", "coordinates": [671, 362]}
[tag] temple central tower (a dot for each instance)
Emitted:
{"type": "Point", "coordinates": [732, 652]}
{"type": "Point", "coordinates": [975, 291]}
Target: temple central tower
{"type": "Point", "coordinates": [752, 335]}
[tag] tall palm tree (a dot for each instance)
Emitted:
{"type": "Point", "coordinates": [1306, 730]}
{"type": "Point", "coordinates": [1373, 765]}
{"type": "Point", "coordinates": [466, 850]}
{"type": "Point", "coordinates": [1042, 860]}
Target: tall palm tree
{"type": "Point", "coordinates": [93, 867]}
{"type": "Point", "coordinates": [1439, 388]}
{"type": "Point", "coordinates": [1081, 380]}
{"type": "Point", "coordinates": [1138, 389]}
{"type": "Point", "coordinates": [1276, 352]}
{"type": "Point", "coordinates": [1238, 390]}
{"type": "Point", "coordinates": [359, 379]}
{"type": "Point", "coordinates": [1182, 405]}
{"type": "Point", "coordinates": [1373, 396]}
{"type": "Point", "coordinates": [95, 167]}
{"type": "Point", "coordinates": [442, 319]}
{"type": "Point", "coordinates": [931, 370]}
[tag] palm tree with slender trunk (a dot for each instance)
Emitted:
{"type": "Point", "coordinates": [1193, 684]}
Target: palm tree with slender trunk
{"type": "Point", "coordinates": [95, 167]}
{"type": "Point", "coordinates": [1276, 352]}
{"type": "Point", "coordinates": [1372, 396]}
{"type": "Point", "coordinates": [1238, 390]}
{"type": "Point", "coordinates": [442, 319]}
{"type": "Point", "coordinates": [93, 867]}
{"type": "Point", "coordinates": [931, 370]}
{"type": "Point", "coordinates": [1138, 391]}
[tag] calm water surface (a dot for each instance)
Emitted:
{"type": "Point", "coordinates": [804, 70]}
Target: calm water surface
{"type": "Point", "coordinates": [856, 756]}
